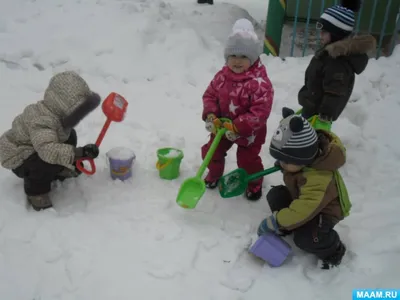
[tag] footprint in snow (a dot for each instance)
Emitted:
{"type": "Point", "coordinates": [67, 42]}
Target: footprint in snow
{"type": "Point", "coordinates": [243, 272]}
{"type": "Point", "coordinates": [313, 272]}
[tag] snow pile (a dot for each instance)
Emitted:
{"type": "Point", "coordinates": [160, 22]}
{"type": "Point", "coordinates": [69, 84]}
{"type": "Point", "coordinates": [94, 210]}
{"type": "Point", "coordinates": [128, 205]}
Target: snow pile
{"type": "Point", "coordinates": [172, 153]}
{"type": "Point", "coordinates": [106, 239]}
{"type": "Point", "coordinates": [121, 153]}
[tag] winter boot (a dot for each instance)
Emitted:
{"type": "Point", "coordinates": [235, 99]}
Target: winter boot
{"type": "Point", "coordinates": [40, 202]}
{"type": "Point", "coordinates": [67, 173]}
{"type": "Point", "coordinates": [254, 193]}
{"type": "Point", "coordinates": [211, 182]}
{"type": "Point", "coordinates": [335, 259]}
{"type": "Point", "coordinates": [211, 2]}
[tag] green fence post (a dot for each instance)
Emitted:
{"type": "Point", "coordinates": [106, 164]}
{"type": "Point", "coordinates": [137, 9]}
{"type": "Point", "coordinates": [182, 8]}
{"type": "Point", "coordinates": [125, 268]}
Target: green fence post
{"type": "Point", "coordinates": [274, 26]}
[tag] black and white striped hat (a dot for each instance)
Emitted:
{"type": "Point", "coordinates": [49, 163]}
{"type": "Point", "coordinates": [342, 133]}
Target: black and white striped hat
{"type": "Point", "coordinates": [295, 141]}
{"type": "Point", "coordinates": [339, 20]}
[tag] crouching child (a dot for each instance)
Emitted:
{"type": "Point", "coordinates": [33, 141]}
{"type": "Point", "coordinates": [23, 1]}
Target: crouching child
{"type": "Point", "coordinates": [314, 197]}
{"type": "Point", "coordinates": [41, 145]}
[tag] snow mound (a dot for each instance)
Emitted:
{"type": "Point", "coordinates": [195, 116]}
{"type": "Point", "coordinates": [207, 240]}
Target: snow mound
{"type": "Point", "coordinates": [121, 153]}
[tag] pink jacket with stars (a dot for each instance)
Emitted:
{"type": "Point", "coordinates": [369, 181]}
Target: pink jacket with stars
{"type": "Point", "coordinates": [244, 98]}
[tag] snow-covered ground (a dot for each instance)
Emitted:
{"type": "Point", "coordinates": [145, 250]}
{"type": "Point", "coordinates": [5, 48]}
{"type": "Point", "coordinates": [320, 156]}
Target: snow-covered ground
{"type": "Point", "coordinates": [106, 239]}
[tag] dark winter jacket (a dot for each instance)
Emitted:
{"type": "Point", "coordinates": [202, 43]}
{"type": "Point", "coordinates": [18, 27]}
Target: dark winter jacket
{"type": "Point", "coordinates": [330, 76]}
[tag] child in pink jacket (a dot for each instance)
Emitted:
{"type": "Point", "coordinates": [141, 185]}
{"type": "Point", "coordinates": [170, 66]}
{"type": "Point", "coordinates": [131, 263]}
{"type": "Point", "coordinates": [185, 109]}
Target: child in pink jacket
{"type": "Point", "coordinates": [242, 92]}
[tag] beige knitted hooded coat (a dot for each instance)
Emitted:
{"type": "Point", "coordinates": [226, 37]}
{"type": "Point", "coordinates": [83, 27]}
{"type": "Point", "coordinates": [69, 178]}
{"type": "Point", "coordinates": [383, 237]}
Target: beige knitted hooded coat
{"type": "Point", "coordinates": [39, 128]}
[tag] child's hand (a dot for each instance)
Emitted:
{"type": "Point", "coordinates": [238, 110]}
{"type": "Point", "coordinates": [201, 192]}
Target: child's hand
{"type": "Point", "coordinates": [91, 151]}
{"type": "Point", "coordinates": [87, 151]}
{"type": "Point", "coordinates": [232, 132]}
{"type": "Point", "coordinates": [230, 127]}
{"type": "Point", "coordinates": [323, 122]}
{"type": "Point", "coordinates": [230, 135]}
{"type": "Point", "coordinates": [268, 224]}
{"type": "Point", "coordinates": [277, 164]}
{"type": "Point", "coordinates": [213, 123]}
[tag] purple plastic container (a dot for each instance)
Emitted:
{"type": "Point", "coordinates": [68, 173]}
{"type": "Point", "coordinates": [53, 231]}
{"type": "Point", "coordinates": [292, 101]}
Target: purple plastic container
{"type": "Point", "coordinates": [121, 161]}
{"type": "Point", "coordinates": [271, 248]}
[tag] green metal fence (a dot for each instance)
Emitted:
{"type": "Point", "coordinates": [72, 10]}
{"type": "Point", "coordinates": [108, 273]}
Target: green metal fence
{"type": "Point", "coordinates": [290, 27]}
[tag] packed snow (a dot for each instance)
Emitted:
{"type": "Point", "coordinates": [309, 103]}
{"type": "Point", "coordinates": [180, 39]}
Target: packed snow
{"type": "Point", "coordinates": [108, 239]}
{"type": "Point", "coordinates": [172, 153]}
{"type": "Point", "coordinates": [121, 153]}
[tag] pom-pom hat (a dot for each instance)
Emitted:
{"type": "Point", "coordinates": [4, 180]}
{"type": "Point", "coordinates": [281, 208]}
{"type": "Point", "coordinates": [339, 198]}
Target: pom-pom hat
{"type": "Point", "coordinates": [243, 41]}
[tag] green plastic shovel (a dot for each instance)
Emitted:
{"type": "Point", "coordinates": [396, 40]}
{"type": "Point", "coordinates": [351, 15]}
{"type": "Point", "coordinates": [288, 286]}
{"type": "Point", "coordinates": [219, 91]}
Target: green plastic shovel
{"type": "Point", "coordinates": [235, 183]}
{"type": "Point", "coordinates": [192, 189]}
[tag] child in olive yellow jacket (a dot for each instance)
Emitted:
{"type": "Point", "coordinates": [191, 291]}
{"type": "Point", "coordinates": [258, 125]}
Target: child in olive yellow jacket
{"type": "Point", "coordinates": [314, 198]}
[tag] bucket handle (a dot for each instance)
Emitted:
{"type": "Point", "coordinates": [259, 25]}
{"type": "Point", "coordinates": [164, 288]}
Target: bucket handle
{"type": "Point", "coordinates": [160, 166]}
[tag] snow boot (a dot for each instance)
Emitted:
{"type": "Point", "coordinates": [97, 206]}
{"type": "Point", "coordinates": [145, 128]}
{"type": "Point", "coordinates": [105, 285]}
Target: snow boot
{"type": "Point", "coordinates": [335, 259]}
{"type": "Point", "coordinates": [211, 2]}
{"type": "Point", "coordinates": [40, 202]}
{"type": "Point", "coordinates": [254, 194]}
{"type": "Point", "coordinates": [211, 184]}
{"type": "Point", "coordinates": [68, 173]}
{"type": "Point", "coordinates": [211, 181]}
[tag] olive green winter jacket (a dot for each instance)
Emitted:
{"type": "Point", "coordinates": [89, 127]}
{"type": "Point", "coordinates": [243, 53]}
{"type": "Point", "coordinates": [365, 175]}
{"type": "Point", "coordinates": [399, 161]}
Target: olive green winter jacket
{"type": "Point", "coordinates": [318, 188]}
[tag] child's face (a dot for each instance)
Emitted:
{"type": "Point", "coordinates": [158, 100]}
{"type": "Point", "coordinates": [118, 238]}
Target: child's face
{"type": "Point", "coordinates": [325, 37]}
{"type": "Point", "coordinates": [290, 167]}
{"type": "Point", "coordinates": [238, 64]}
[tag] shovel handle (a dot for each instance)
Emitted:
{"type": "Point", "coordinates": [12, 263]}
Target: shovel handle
{"type": "Point", "coordinates": [81, 167]}
{"type": "Point", "coordinates": [262, 173]}
{"type": "Point", "coordinates": [210, 153]}
{"type": "Point", "coordinates": [79, 163]}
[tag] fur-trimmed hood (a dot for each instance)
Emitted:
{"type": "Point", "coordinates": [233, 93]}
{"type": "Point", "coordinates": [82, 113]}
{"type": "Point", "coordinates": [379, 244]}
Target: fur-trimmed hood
{"type": "Point", "coordinates": [360, 44]}
{"type": "Point", "coordinates": [354, 49]}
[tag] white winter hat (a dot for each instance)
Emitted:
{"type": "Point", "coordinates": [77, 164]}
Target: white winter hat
{"type": "Point", "coordinates": [243, 41]}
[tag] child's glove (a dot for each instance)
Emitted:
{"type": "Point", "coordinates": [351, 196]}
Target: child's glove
{"type": "Point", "coordinates": [321, 122]}
{"type": "Point", "coordinates": [277, 164]}
{"type": "Point", "coordinates": [213, 123]}
{"type": "Point", "coordinates": [232, 132]}
{"type": "Point", "coordinates": [87, 151]}
{"type": "Point", "coordinates": [269, 224]}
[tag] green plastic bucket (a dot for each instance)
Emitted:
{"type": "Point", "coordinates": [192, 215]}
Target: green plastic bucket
{"type": "Point", "coordinates": [169, 162]}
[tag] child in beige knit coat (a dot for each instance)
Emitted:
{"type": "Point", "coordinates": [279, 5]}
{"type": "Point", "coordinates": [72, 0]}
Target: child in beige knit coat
{"type": "Point", "coordinates": [41, 145]}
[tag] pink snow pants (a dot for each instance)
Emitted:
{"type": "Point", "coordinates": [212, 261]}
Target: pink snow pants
{"type": "Point", "coordinates": [248, 158]}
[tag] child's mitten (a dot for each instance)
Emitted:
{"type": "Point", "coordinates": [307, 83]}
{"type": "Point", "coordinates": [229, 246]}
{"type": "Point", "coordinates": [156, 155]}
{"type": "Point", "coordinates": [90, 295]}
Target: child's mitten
{"type": "Point", "coordinates": [323, 122]}
{"type": "Point", "coordinates": [268, 224]}
{"type": "Point", "coordinates": [213, 123]}
{"type": "Point", "coordinates": [277, 164]}
{"type": "Point", "coordinates": [87, 151]}
{"type": "Point", "coordinates": [232, 132]}
{"type": "Point", "coordinates": [320, 122]}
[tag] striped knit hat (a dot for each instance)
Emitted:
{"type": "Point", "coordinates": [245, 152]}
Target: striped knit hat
{"type": "Point", "coordinates": [339, 20]}
{"type": "Point", "coordinates": [294, 141]}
